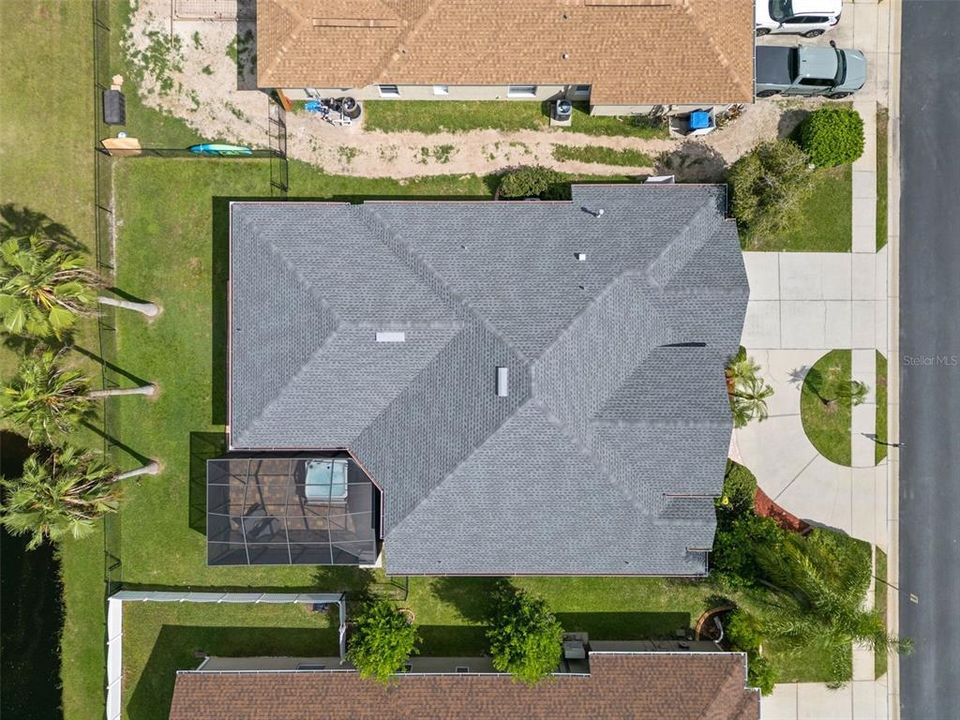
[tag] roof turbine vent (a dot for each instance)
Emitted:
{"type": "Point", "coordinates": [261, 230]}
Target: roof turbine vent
{"type": "Point", "coordinates": [596, 213]}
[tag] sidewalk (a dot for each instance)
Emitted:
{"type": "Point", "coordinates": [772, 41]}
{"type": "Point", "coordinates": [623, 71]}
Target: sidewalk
{"type": "Point", "coordinates": [803, 305]}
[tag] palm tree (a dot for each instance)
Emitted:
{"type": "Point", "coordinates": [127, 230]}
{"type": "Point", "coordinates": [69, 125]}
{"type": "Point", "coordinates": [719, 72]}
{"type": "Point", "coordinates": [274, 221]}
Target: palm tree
{"type": "Point", "coordinates": [852, 391]}
{"type": "Point", "coordinates": [748, 400]}
{"type": "Point", "coordinates": [49, 401]}
{"type": "Point", "coordinates": [818, 587]}
{"type": "Point", "coordinates": [746, 391]}
{"type": "Point", "coordinates": [144, 308]}
{"type": "Point", "coordinates": [740, 368]}
{"type": "Point", "coordinates": [44, 287]}
{"type": "Point", "coordinates": [62, 495]}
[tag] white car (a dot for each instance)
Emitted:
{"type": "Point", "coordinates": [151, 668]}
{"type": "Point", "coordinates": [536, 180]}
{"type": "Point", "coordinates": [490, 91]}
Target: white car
{"type": "Point", "coordinates": [808, 18]}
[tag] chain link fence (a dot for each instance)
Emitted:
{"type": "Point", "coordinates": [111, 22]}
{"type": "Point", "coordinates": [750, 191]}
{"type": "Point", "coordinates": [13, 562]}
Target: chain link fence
{"type": "Point", "coordinates": [106, 40]}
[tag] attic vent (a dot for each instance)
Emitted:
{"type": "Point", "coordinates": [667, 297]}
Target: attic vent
{"type": "Point", "coordinates": [580, 256]}
{"type": "Point", "coordinates": [356, 22]}
{"type": "Point", "coordinates": [463, 669]}
{"type": "Point", "coordinates": [503, 382]}
{"type": "Point", "coordinates": [391, 336]}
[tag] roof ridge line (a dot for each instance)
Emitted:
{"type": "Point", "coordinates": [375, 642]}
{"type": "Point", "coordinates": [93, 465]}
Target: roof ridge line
{"type": "Point", "coordinates": [544, 409]}
{"type": "Point", "coordinates": [301, 22]}
{"type": "Point", "coordinates": [277, 254]}
{"type": "Point", "coordinates": [609, 288]}
{"type": "Point", "coordinates": [263, 411]}
{"type": "Point", "coordinates": [411, 259]}
{"type": "Point", "coordinates": [724, 61]}
{"type": "Point", "coordinates": [658, 272]}
{"type": "Point", "coordinates": [393, 55]}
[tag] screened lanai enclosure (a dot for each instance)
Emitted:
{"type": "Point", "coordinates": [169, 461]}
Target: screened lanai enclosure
{"type": "Point", "coordinates": [290, 510]}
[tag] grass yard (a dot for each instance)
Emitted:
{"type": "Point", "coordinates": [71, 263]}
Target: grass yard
{"type": "Point", "coordinates": [803, 665]}
{"type": "Point", "coordinates": [883, 123]}
{"type": "Point", "coordinates": [160, 638]}
{"type": "Point", "coordinates": [881, 429]}
{"type": "Point", "coordinates": [47, 166]}
{"type": "Point", "coordinates": [601, 155]}
{"type": "Point", "coordinates": [880, 603]}
{"type": "Point", "coordinates": [152, 127]}
{"type": "Point", "coordinates": [826, 218]}
{"type": "Point", "coordinates": [438, 116]}
{"type": "Point", "coordinates": [826, 421]}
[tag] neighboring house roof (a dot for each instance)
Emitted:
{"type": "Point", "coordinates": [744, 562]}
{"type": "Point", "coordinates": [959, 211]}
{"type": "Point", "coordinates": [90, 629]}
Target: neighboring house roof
{"type": "Point", "coordinates": [640, 686]}
{"type": "Point", "coordinates": [605, 454]}
{"type": "Point", "coordinates": [630, 51]}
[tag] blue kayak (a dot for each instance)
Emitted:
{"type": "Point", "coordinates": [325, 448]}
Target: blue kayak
{"type": "Point", "coordinates": [216, 149]}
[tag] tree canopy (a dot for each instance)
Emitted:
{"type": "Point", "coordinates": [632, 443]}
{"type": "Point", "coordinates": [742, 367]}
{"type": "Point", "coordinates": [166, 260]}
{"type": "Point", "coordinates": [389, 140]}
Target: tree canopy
{"type": "Point", "coordinates": [525, 638]}
{"type": "Point", "coordinates": [45, 399]}
{"type": "Point", "coordinates": [61, 494]}
{"type": "Point", "coordinates": [382, 640]}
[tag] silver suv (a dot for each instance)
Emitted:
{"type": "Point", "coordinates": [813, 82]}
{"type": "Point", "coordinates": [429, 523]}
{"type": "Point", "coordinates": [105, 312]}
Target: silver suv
{"type": "Point", "coordinates": [824, 71]}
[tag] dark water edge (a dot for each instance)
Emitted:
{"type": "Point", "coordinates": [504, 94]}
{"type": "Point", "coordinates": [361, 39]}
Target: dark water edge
{"type": "Point", "coordinates": [31, 615]}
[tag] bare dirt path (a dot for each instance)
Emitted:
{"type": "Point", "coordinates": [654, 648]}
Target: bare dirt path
{"type": "Point", "coordinates": [193, 74]}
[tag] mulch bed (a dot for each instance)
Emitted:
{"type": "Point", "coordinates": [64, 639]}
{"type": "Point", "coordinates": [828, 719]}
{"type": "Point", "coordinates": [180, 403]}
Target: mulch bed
{"type": "Point", "coordinates": [768, 508]}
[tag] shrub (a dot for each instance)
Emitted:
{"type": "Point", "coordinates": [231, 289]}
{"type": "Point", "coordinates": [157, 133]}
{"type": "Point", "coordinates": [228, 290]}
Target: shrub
{"type": "Point", "coordinates": [739, 490]}
{"type": "Point", "coordinates": [742, 631]}
{"type": "Point", "coordinates": [768, 184]}
{"type": "Point", "coordinates": [832, 136]}
{"type": "Point", "coordinates": [525, 638]}
{"type": "Point", "coordinates": [382, 640]}
{"type": "Point", "coordinates": [735, 548]}
{"type": "Point", "coordinates": [760, 673]}
{"type": "Point", "coordinates": [535, 181]}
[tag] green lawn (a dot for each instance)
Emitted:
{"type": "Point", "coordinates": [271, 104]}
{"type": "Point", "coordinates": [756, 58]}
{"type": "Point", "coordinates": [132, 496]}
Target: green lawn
{"type": "Point", "coordinates": [883, 122]}
{"type": "Point", "coordinates": [437, 116]}
{"type": "Point", "coordinates": [881, 430]}
{"type": "Point", "coordinates": [47, 166]}
{"type": "Point", "coordinates": [880, 603]}
{"type": "Point", "coordinates": [161, 638]}
{"type": "Point", "coordinates": [826, 421]}
{"type": "Point", "coordinates": [601, 155]}
{"type": "Point", "coordinates": [826, 218]}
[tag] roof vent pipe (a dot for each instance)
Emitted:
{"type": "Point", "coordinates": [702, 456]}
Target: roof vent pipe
{"type": "Point", "coordinates": [503, 381]}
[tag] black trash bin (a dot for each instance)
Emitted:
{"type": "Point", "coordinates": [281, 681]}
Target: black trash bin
{"type": "Point", "coordinates": [350, 108]}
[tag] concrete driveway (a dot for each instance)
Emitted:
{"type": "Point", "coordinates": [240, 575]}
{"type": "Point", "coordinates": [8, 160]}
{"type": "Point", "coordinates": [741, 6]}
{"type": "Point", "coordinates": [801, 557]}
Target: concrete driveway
{"type": "Point", "coordinates": [815, 300]}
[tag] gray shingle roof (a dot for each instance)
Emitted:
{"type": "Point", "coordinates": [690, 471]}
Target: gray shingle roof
{"type": "Point", "coordinates": [616, 403]}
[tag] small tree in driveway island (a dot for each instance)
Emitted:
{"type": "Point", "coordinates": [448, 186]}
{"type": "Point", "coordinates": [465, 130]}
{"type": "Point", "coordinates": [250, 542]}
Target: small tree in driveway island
{"type": "Point", "coordinates": [525, 638]}
{"type": "Point", "coordinates": [382, 640]}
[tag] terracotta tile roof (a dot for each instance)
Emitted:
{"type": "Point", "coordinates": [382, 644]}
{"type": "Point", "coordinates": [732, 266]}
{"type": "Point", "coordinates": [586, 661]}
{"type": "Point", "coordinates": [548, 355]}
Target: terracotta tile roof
{"type": "Point", "coordinates": [640, 686]}
{"type": "Point", "coordinates": [630, 51]}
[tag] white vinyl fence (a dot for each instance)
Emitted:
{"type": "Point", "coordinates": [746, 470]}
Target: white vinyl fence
{"type": "Point", "coordinates": [115, 624]}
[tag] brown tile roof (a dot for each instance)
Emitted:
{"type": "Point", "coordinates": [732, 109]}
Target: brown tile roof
{"type": "Point", "coordinates": [631, 51]}
{"type": "Point", "coordinates": [640, 686]}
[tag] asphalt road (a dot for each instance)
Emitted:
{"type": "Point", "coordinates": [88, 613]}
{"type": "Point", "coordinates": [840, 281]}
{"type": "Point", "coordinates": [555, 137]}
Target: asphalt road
{"type": "Point", "coordinates": [930, 352]}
